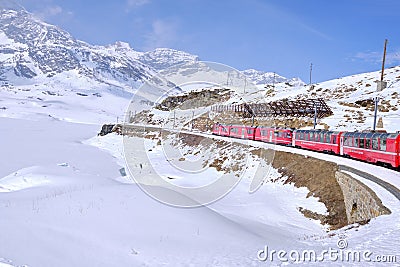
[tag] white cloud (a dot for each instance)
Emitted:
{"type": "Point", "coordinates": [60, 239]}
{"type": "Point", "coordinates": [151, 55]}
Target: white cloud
{"type": "Point", "coordinates": [49, 12]}
{"type": "Point", "coordinates": [163, 34]}
{"type": "Point", "coordinates": [376, 57]}
{"type": "Point", "coordinates": [131, 4]}
{"type": "Point", "coordinates": [316, 32]}
{"type": "Point", "coordinates": [52, 10]}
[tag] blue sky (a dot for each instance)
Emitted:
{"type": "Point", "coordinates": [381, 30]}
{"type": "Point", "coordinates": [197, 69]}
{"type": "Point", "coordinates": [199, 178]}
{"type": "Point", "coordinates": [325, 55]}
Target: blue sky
{"type": "Point", "coordinates": [340, 38]}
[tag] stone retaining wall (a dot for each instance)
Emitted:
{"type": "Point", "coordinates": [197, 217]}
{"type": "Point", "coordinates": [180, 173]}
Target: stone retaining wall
{"type": "Point", "coordinates": [362, 204]}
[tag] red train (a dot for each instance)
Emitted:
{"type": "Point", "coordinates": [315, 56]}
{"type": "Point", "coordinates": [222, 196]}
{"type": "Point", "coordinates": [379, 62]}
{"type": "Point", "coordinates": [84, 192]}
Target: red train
{"type": "Point", "coordinates": [380, 148]}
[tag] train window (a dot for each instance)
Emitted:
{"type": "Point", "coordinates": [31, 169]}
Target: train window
{"type": "Point", "coordinates": [328, 138]}
{"type": "Point", "coordinates": [323, 137]}
{"type": "Point", "coordinates": [352, 141]}
{"type": "Point", "coordinates": [375, 143]}
{"type": "Point", "coordinates": [288, 134]}
{"type": "Point", "coordinates": [368, 143]}
{"type": "Point", "coordinates": [383, 143]}
{"type": "Point", "coordinates": [263, 132]}
{"type": "Point", "coordinates": [311, 136]}
{"type": "Point", "coordinates": [345, 141]}
{"type": "Point", "coordinates": [361, 143]}
{"type": "Point", "coordinates": [249, 131]}
{"type": "Point", "coordinates": [307, 136]}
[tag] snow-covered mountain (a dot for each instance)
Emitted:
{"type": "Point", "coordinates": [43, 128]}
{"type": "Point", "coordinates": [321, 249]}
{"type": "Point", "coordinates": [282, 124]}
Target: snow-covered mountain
{"type": "Point", "coordinates": [163, 58]}
{"type": "Point", "coordinates": [262, 77]}
{"type": "Point", "coordinates": [33, 51]}
{"type": "Point", "coordinates": [41, 64]}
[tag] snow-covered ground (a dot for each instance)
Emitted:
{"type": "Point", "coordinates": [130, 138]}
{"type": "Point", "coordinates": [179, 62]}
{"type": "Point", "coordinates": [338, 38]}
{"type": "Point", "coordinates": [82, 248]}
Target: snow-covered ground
{"type": "Point", "coordinates": [64, 203]}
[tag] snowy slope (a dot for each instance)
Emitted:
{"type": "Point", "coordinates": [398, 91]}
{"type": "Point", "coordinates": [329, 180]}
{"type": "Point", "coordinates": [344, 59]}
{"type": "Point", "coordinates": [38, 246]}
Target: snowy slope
{"type": "Point", "coordinates": [351, 99]}
{"type": "Point", "coordinates": [262, 78]}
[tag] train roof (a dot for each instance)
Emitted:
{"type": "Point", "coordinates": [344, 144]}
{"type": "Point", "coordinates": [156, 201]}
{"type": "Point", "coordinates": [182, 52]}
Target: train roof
{"type": "Point", "coordinates": [317, 130]}
{"type": "Point", "coordinates": [372, 134]}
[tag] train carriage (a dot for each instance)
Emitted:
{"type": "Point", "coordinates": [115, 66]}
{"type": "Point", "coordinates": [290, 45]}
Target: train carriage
{"type": "Point", "coordinates": [243, 132]}
{"type": "Point", "coordinates": [273, 135]}
{"type": "Point", "coordinates": [222, 130]}
{"type": "Point", "coordinates": [317, 140]}
{"type": "Point", "coordinates": [382, 148]}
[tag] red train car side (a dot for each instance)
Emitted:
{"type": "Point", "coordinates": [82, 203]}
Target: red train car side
{"type": "Point", "coordinates": [317, 140]}
{"type": "Point", "coordinates": [273, 135]}
{"type": "Point", "coordinates": [222, 130]}
{"type": "Point", "coordinates": [372, 147]}
{"type": "Point", "coordinates": [243, 132]}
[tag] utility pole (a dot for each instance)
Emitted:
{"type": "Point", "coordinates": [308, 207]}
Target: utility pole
{"type": "Point", "coordinates": [383, 60]}
{"type": "Point", "coordinates": [380, 86]}
{"type": "Point", "coordinates": [310, 74]}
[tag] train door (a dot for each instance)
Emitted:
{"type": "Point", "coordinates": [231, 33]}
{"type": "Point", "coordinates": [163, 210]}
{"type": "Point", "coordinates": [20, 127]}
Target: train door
{"type": "Point", "coordinates": [341, 144]}
{"type": "Point", "coordinates": [294, 139]}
